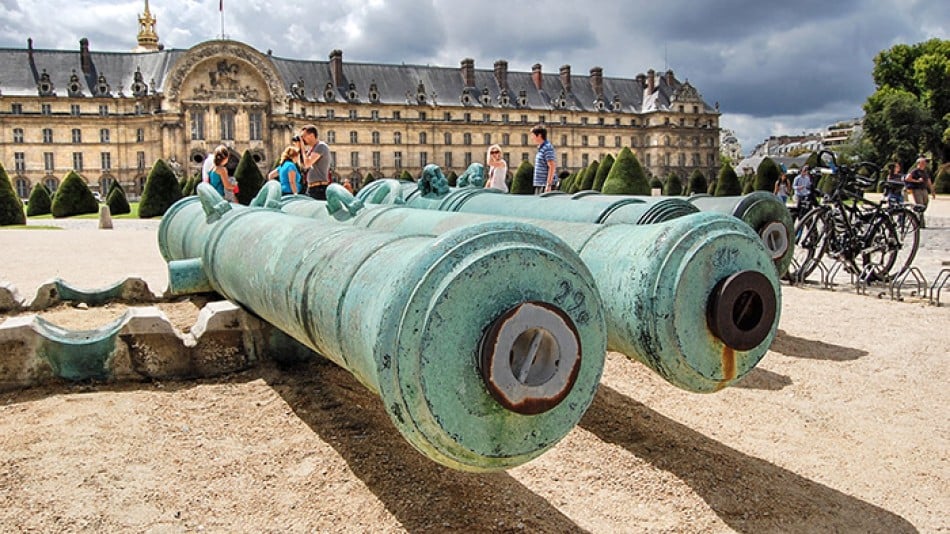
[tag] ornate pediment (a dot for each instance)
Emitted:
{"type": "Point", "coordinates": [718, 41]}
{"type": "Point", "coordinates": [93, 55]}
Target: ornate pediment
{"type": "Point", "coordinates": [686, 93]}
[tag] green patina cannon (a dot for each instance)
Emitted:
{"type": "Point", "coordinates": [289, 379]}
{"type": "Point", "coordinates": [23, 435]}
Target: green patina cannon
{"type": "Point", "coordinates": [432, 192]}
{"type": "Point", "coordinates": [695, 298]}
{"type": "Point", "coordinates": [486, 343]}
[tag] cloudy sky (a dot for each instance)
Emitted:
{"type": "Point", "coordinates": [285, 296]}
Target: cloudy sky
{"type": "Point", "coordinates": [774, 67]}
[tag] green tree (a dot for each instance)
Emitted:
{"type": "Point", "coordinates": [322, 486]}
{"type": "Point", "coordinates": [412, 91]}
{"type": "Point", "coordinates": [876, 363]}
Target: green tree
{"type": "Point", "coordinates": [897, 124]}
{"type": "Point", "coordinates": [697, 183]}
{"type": "Point", "coordinates": [41, 202]}
{"type": "Point", "coordinates": [117, 202]}
{"type": "Point", "coordinates": [626, 176]}
{"type": "Point", "coordinates": [656, 183]}
{"type": "Point", "coordinates": [673, 186]}
{"type": "Point", "coordinates": [602, 172]}
{"type": "Point", "coordinates": [406, 176]}
{"type": "Point", "coordinates": [523, 182]}
{"type": "Point", "coordinates": [942, 182]}
{"type": "Point", "coordinates": [589, 176]}
{"type": "Point", "coordinates": [922, 72]}
{"type": "Point", "coordinates": [249, 178]}
{"type": "Point", "coordinates": [578, 181]}
{"type": "Point", "coordinates": [727, 184]}
{"type": "Point", "coordinates": [73, 197]}
{"type": "Point", "coordinates": [11, 207]}
{"type": "Point", "coordinates": [160, 192]}
{"type": "Point", "coordinates": [766, 175]}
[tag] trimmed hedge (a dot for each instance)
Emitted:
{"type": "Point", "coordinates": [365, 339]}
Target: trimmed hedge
{"type": "Point", "coordinates": [118, 204]}
{"type": "Point", "coordinates": [11, 207]}
{"type": "Point", "coordinates": [727, 184]}
{"type": "Point", "coordinates": [73, 197]}
{"type": "Point", "coordinates": [161, 191]}
{"type": "Point", "coordinates": [523, 182]}
{"type": "Point", "coordinates": [590, 176]}
{"type": "Point", "coordinates": [766, 175]}
{"type": "Point", "coordinates": [697, 183]}
{"type": "Point", "coordinates": [41, 202]}
{"type": "Point", "coordinates": [602, 172]}
{"type": "Point", "coordinates": [626, 176]}
{"type": "Point", "coordinates": [673, 186]}
{"type": "Point", "coordinates": [249, 178]}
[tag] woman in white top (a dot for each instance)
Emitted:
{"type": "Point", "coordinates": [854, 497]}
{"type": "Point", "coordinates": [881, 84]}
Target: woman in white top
{"type": "Point", "coordinates": [497, 169]}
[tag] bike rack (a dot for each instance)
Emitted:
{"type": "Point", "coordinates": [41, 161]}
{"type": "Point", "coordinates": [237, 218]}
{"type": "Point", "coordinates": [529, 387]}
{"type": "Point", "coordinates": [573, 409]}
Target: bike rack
{"type": "Point", "coordinates": [828, 274]}
{"type": "Point", "coordinates": [940, 282]}
{"type": "Point", "coordinates": [898, 283]}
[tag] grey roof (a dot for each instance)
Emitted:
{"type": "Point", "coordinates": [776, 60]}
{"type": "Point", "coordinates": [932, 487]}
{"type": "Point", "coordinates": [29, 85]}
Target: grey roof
{"type": "Point", "coordinates": [20, 76]}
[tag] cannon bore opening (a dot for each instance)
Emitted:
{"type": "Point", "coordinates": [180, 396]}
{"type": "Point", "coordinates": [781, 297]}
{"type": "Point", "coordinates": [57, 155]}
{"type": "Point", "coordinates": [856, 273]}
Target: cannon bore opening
{"type": "Point", "coordinates": [776, 239]}
{"type": "Point", "coordinates": [529, 357]}
{"type": "Point", "coordinates": [741, 309]}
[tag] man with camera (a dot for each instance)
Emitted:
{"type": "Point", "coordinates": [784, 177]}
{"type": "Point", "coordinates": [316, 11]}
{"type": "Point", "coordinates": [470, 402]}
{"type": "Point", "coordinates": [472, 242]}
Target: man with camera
{"type": "Point", "coordinates": [315, 157]}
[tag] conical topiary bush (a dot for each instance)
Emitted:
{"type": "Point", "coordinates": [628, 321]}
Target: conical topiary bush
{"type": "Point", "coordinates": [590, 176]}
{"type": "Point", "coordinates": [41, 203]}
{"type": "Point", "coordinates": [727, 184]}
{"type": "Point", "coordinates": [11, 207]}
{"type": "Point", "coordinates": [523, 182]}
{"type": "Point", "coordinates": [73, 197]}
{"type": "Point", "coordinates": [626, 176]}
{"type": "Point", "coordinates": [118, 204]}
{"type": "Point", "coordinates": [697, 183]}
{"type": "Point", "coordinates": [249, 178]}
{"type": "Point", "coordinates": [766, 175]}
{"type": "Point", "coordinates": [407, 176]}
{"type": "Point", "coordinates": [673, 186]}
{"type": "Point", "coordinates": [161, 191]}
{"type": "Point", "coordinates": [602, 172]}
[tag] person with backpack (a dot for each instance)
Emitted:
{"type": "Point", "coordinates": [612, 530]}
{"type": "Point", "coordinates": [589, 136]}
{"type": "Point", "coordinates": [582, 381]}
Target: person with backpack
{"type": "Point", "coordinates": [291, 179]}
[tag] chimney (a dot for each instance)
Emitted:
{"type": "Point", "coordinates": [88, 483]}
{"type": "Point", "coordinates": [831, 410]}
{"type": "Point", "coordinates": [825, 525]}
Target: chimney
{"type": "Point", "coordinates": [336, 67]}
{"type": "Point", "coordinates": [670, 78]}
{"type": "Point", "coordinates": [597, 81]}
{"type": "Point", "coordinates": [85, 59]}
{"type": "Point", "coordinates": [501, 73]}
{"type": "Point", "coordinates": [642, 80]}
{"type": "Point", "coordinates": [566, 78]}
{"type": "Point", "coordinates": [651, 81]}
{"type": "Point", "coordinates": [468, 72]}
{"type": "Point", "coordinates": [536, 75]}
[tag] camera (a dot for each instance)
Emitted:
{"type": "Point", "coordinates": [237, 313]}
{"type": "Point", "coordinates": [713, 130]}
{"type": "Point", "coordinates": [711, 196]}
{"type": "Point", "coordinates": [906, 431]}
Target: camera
{"type": "Point", "coordinates": [295, 138]}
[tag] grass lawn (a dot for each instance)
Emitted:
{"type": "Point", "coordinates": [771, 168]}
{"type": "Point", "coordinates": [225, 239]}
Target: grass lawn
{"type": "Point", "coordinates": [133, 214]}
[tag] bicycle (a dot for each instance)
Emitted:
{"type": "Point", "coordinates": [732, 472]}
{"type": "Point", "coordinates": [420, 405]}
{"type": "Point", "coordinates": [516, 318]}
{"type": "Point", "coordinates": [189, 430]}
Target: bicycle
{"type": "Point", "coordinates": [855, 231]}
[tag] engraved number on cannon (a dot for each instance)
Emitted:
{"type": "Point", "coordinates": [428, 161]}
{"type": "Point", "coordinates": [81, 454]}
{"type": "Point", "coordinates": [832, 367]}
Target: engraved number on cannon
{"type": "Point", "coordinates": [572, 301]}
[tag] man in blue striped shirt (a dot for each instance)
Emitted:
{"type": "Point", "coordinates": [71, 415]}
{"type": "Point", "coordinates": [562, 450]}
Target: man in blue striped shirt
{"type": "Point", "coordinates": [545, 164]}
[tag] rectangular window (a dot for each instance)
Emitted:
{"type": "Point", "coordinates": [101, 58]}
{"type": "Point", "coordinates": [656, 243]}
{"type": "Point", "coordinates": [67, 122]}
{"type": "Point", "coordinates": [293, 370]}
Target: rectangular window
{"type": "Point", "coordinates": [448, 160]}
{"type": "Point", "coordinates": [504, 118]}
{"type": "Point", "coordinates": [332, 159]}
{"type": "Point", "coordinates": [524, 139]}
{"type": "Point", "coordinates": [140, 160]}
{"type": "Point", "coordinates": [354, 159]}
{"type": "Point", "coordinates": [45, 109]}
{"type": "Point", "coordinates": [397, 138]}
{"type": "Point", "coordinates": [197, 125]}
{"type": "Point", "coordinates": [397, 115]}
{"type": "Point", "coordinates": [77, 161]}
{"type": "Point", "coordinates": [468, 117]}
{"type": "Point", "coordinates": [374, 114]}
{"type": "Point", "coordinates": [563, 160]}
{"type": "Point", "coordinates": [524, 157]}
{"type": "Point", "coordinates": [423, 158]}
{"type": "Point", "coordinates": [139, 109]}
{"type": "Point", "coordinates": [16, 109]}
{"type": "Point", "coordinates": [140, 135]}
{"type": "Point", "coordinates": [505, 139]}
{"type": "Point", "coordinates": [227, 125]}
{"type": "Point", "coordinates": [447, 116]}
{"type": "Point", "coordinates": [563, 119]}
{"type": "Point", "coordinates": [448, 138]}
{"type": "Point", "coordinates": [422, 115]}
{"type": "Point", "coordinates": [48, 161]}
{"type": "Point", "coordinates": [47, 135]}
{"type": "Point", "coordinates": [585, 160]}
{"type": "Point", "coordinates": [486, 139]}
{"type": "Point", "coordinates": [74, 110]}
{"type": "Point", "coordinates": [377, 159]}
{"type": "Point", "coordinates": [255, 123]}
{"type": "Point", "coordinates": [584, 140]}
{"type": "Point", "coordinates": [601, 141]}
{"type": "Point", "coordinates": [353, 138]}
{"type": "Point", "coordinates": [103, 109]}
{"type": "Point", "coordinates": [617, 141]}
{"type": "Point", "coordinates": [331, 114]}
{"type": "Point", "coordinates": [397, 160]}
{"type": "Point", "coordinates": [77, 136]}
{"type": "Point", "coordinates": [584, 121]}
{"type": "Point", "coordinates": [18, 135]}
{"type": "Point", "coordinates": [486, 117]}
{"type": "Point", "coordinates": [563, 140]}
{"type": "Point", "coordinates": [542, 119]}
{"type": "Point", "coordinates": [106, 158]}
{"type": "Point", "coordinates": [524, 119]}
{"type": "Point", "coordinates": [375, 138]}
{"type": "Point", "coordinates": [468, 159]}
{"type": "Point", "coordinates": [353, 114]}
{"type": "Point", "coordinates": [423, 139]}
{"type": "Point", "coordinates": [331, 136]}
{"type": "Point", "coordinates": [467, 138]}
{"type": "Point", "coordinates": [19, 161]}
{"type": "Point", "coordinates": [600, 121]}
{"type": "Point", "coordinates": [104, 135]}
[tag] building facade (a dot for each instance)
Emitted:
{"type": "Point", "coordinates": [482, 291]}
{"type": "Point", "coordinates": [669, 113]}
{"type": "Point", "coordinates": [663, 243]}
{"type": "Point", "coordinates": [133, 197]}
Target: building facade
{"type": "Point", "coordinates": [111, 115]}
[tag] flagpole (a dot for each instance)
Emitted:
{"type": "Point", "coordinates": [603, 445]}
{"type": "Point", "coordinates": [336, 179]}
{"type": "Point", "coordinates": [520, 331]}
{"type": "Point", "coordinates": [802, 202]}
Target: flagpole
{"type": "Point", "coordinates": [221, 10]}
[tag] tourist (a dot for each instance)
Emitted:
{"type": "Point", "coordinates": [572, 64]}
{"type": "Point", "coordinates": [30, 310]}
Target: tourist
{"type": "Point", "coordinates": [316, 161]}
{"type": "Point", "coordinates": [497, 169]}
{"type": "Point", "coordinates": [783, 188]}
{"type": "Point", "coordinates": [545, 164]}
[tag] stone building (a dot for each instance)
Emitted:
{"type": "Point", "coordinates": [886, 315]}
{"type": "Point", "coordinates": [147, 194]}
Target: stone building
{"type": "Point", "coordinates": [111, 115]}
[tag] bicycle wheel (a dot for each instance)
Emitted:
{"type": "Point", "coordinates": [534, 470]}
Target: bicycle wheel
{"type": "Point", "coordinates": [879, 247]}
{"type": "Point", "coordinates": [907, 224]}
{"type": "Point", "coordinates": [809, 245]}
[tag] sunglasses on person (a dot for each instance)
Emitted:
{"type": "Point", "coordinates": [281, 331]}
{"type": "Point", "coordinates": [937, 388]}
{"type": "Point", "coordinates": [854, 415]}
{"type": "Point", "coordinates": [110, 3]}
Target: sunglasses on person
{"type": "Point", "coordinates": [495, 152]}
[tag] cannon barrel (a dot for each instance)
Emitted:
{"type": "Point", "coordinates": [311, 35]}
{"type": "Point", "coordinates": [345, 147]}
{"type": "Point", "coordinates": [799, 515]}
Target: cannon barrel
{"type": "Point", "coordinates": [696, 298]}
{"type": "Point", "coordinates": [486, 343]}
{"type": "Point", "coordinates": [488, 201]}
{"type": "Point", "coordinates": [765, 214]}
